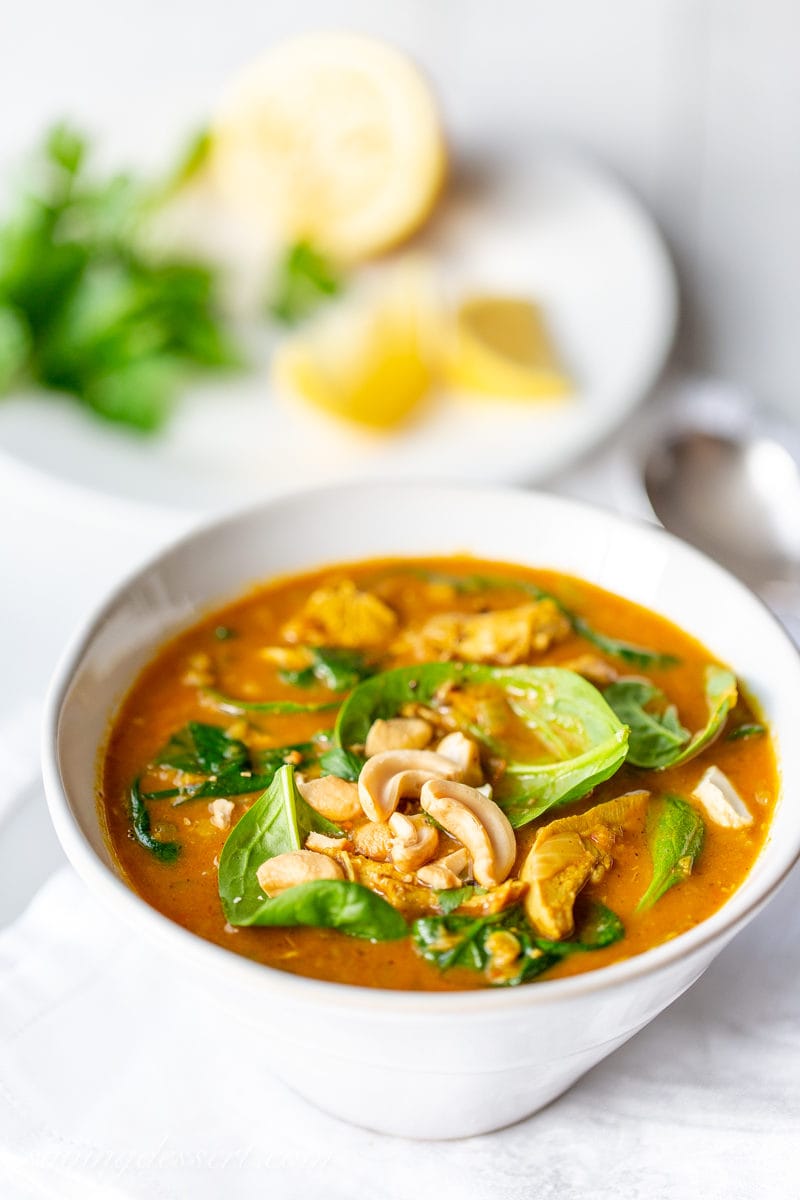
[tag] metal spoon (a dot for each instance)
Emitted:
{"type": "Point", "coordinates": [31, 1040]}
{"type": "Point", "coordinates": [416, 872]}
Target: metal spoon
{"type": "Point", "coordinates": [735, 495]}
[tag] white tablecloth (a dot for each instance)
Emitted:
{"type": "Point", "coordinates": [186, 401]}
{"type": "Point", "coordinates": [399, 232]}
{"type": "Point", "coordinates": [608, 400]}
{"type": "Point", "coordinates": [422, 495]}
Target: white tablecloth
{"type": "Point", "coordinates": [117, 1080]}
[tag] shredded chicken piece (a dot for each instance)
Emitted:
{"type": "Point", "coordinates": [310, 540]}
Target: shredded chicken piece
{"type": "Point", "coordinates": [373, 839]}
{"type": "Point", "coordinates": [410, 898]}
{"type": "Point", "coordinates": [495, 900]}
{"type": "Point", "coordinates": [505, 636]}
{"type": "Point", "coordinates": [342, 615]}
{"type": "Point", "coordinates": [570, 852]}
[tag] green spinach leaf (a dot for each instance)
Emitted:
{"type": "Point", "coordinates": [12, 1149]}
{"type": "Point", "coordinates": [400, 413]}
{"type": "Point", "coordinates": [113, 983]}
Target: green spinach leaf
{"type": "Point", "coordinates": [337, 669]}
{"type": "Point", "coordinates": [463, 941]}
{"type": "Point", "coordinates": [167, 852]}
{"type": "Point", "coordinates": [332, 904]}
{"type": "Point", "coordinates": [675, 834]}
{"type": "Point", "coordinates": [344, 763]}
{"type": "Point", "coordinates": [742, 732]}
{"type": "Point", "coordinates": [275, 708]}
{"type": "Point", "coordinates": [449, 899]}
{"type": "Point", "coordinates": [232, 770]}
{"type": "Point", "coordinates": [577, 741]}
{"type": "Point", "coordinates": [201, 749]}
{"type": "Point", "coordinates": [636, 656]}
{"type": "Point", "coordinates": [278, 822]}
{"type": "Point", "coordinates": [655, 738]}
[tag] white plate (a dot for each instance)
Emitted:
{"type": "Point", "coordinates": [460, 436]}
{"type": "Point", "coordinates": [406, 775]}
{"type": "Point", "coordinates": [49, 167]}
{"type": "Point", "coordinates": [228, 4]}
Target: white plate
{"type": "Point", "coordinates": [559, 230]}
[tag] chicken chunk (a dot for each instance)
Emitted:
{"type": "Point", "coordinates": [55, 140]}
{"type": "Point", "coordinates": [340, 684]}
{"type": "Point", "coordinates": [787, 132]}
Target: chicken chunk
{"type": "Point", "coordinates": [505, 637]}
{"type": "Point", "coordinates": [342, 615]}
{"type": "Point", "coordinates": [570, 852]}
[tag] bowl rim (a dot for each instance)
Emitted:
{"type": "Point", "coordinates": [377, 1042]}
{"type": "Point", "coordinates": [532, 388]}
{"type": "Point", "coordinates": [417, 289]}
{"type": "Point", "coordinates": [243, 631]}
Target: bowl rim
{"type": "Point", "coordinates": [121, 898]}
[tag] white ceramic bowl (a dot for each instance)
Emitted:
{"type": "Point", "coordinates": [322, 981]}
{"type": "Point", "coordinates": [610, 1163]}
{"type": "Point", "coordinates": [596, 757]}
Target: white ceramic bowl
{"type": "Point", "coordinates": [422, 1065]}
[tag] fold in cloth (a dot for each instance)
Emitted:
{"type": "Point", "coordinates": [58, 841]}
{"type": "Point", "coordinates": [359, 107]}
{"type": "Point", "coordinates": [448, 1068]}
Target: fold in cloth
{"type": "Point", "coordinates": [119, 1080]}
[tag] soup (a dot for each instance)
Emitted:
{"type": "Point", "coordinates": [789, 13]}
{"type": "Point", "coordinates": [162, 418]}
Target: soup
{"type": "Point", "coordinates": [436, 775]}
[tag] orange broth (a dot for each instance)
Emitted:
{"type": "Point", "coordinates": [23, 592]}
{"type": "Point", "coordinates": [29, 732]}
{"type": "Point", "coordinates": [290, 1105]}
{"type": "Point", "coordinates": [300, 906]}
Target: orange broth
{"type": "Point", "coordinates": [170, 692]}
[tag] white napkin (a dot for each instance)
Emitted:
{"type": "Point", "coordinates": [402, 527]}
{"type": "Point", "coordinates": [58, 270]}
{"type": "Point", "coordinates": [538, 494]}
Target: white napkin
{"type": "Point", "coordinates": [119, 1080]}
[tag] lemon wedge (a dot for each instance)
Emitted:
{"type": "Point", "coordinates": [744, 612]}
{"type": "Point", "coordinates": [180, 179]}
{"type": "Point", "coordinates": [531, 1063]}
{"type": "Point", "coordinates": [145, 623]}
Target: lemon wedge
{"type": "Point", "coordinates": [500, 347]}
{"type": "Point", "coordinates": [371, 362]}
{"type": "Point", "coordinates": [333, 138]}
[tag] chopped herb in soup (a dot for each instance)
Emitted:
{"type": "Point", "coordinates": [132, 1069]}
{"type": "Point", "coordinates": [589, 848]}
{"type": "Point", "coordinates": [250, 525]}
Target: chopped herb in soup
{"type": "Point", "coordinates": [436, 775]}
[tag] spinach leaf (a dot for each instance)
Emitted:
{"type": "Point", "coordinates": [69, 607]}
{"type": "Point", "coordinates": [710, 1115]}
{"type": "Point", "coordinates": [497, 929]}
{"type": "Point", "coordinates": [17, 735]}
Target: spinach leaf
{"type": "Point", "coordinates": [721, 695]}
{"type": "Point", "coordinates": [637, 656]}
{"type": "Point", "coordinates": [675, 833]}
{"type": "Point", "coordinates": [167, 852]}
{"type": "Point", "coordinates": [275, 708]}
{"type": "Point", "coordinates": [383, 696]}
{"type": "Point", "coordinates": [661, 741]}
{"type": "Point", "coordinates": [333, 904]}
{"type": "Point", "coordinates": [742, 732]}
{"type": "Point", "coordinates": [303, 281]}
{"type": "Point", "coordinates": [580, 740]}
{"type": "Point", "coordinates": [463, 941]}
{"type": "Point", "coordinates": [343, 763]}
{"type": "Point", "coordinates": [201, 749]}
{"type": "Point", "coordinates": [449, 899]}
{"type": "Point", "coordinates": [278, 822]}
{"type": "Point", "coordinates": [337, 669]}
{"type": "Point", "coordinates": [472, 585]}
{"type": "Point", "coordinates": [655, 738]}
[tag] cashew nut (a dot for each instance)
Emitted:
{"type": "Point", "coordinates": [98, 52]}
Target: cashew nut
{"type": "Point", "coordinates": [398, 733]}
{"type": "Point", "coordinates": [415, 841]}
{"type": "Point", "coordinates": [325, 844]}
{"type": "Point", "coordinates": [465, 754]}
{"type": "Point", "coordinates": [478, 823]}
{"type": "Point", "coordinates": [393, 775]}
{"type": "Point", "coordinates": [373, 839]}
{"type": "Point", "coordinates": [297, 866]}
{"type": "Point", "coordinates": [335, 798]}
{"type": "Point", "coordinates": [445, 872]}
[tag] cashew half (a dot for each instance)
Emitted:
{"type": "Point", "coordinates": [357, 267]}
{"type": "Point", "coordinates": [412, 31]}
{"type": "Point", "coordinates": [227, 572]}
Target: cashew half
{"type": "Point", "coordinates": [445, 872]}
{"type": "Point", "coordinates": [398, 733]}
{"type": "Point", "coordinates": [465, 754]}
{"type": "Point", "coordinates": [297, 866]}
{"type": "Point", "coordinates": [414, 843]}
{"type": "Point", "coordinates": [394, 775]}
{"type": "Point", "coordinates": [478, 823]}
{"type": "Point", "coordinates": [335, 798]}
{"type": "Point", "coordinates": [325, 844]}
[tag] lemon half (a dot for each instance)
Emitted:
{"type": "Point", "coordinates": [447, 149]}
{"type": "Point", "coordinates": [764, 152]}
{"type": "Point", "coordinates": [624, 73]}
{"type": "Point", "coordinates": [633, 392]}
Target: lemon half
{"type": "Point", "coordinates": [500, 346]}
{"type": "Point", "coordinates": [370, 362]}
{"type": "Point", "coordinates": [334, 138]}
